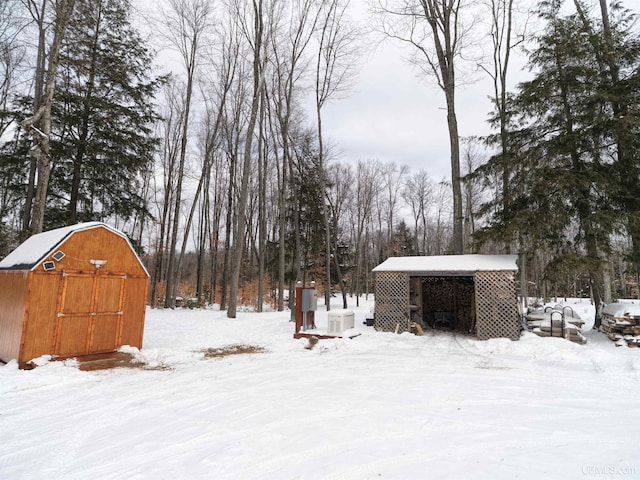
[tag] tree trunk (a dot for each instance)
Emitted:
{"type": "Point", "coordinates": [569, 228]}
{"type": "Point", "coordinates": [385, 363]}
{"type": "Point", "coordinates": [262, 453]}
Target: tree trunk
{"type": "Point", "coordinates": [454, 142]}
{"type": "Point", "coordinates": [203, 229]}
{"type": "Point", "coordinates": [325, 211]}
{"type": "Point", "coordinates": [262, 211]}
{"type": "Point", "coordinates": [282, 226]}
{"type": "Point", "coordinates": [241, 212]}
{"type": "Point", "coordinates": [214, 238]}
{"type": "Point", "coordinates": [172, 265]}
{"type": "Point", "coordinates": [37, 101]}
{"type": "Point", "coordinates": [336, 264]}
{"type": "Point", "coordinates": [41, 136]}
{"type": "Point", "coordinates": [228, 227]}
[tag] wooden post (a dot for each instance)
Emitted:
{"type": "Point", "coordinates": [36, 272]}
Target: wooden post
{"type": "Point", "coordinates": [298, 307]}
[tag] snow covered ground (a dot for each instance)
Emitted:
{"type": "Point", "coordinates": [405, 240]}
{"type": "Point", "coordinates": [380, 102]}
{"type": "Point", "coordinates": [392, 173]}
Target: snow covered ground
{"type": "Point", "coordinates": [381, 405]}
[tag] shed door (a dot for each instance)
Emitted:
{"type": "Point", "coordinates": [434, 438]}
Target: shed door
{"type": "Point", "coordinates": [90, 314]}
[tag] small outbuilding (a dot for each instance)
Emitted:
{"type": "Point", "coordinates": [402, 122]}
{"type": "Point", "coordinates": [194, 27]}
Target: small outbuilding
{"type": "Point", "coordinates": [74, 291]}
{"type": "Point", "coordinates": [468, 293]}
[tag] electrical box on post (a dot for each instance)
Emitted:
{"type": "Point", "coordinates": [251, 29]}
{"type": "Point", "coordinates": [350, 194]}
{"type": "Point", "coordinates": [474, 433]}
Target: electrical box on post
{"type": "Point", "coordinates": [306, 305]}
{"type": "Point", "coordinates": [309, 300]}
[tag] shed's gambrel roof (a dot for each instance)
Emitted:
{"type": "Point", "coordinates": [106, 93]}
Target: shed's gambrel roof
{"type": "Point", "coordinates": [449, 264]}
{"type": "Point", "coordinates": [37, 247]}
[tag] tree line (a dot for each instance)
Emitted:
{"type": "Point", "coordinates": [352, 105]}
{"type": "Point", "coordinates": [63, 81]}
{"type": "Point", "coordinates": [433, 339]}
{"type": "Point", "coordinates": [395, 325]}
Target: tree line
{"type": "Point", "coordinates": [227, 186]}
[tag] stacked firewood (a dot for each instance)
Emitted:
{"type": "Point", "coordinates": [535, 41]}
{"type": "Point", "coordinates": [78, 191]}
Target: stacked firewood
{"type": "Point", "coordinates": [621, 323]}
{"type": "Point", "coordinates": [449, 294]}
{"type": "Point", "coordinates": [556, 321]}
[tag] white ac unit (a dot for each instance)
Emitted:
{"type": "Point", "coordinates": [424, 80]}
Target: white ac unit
{"type": "Point", "coordinates": [339, 321]}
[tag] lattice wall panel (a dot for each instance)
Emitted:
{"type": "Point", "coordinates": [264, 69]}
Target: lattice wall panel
{"type": "Point", "coordinates": [392, 301]}
{"type": "Point", "coordinates": [496, 306]}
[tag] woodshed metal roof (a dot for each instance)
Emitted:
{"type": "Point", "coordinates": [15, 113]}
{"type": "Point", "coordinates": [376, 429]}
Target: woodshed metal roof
{"type": "Point", "coordinates": [448, 265]}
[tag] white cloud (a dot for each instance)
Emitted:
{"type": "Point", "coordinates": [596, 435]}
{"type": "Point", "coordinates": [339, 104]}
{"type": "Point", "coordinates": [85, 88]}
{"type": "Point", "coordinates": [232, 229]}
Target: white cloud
{"type": "Point", "coordinates": [393, 114]}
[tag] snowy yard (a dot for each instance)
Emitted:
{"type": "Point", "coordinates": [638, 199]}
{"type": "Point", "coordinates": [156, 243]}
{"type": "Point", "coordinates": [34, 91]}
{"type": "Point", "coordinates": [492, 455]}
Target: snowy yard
{"type": "Point", "coordinates": [381, 405]}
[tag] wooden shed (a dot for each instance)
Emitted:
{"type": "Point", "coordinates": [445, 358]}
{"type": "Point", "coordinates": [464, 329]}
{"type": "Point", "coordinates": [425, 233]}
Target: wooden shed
{"type": "Point", "coordinates": [74, 291]}
{"type": "Point", "coordinates": [468, 293]}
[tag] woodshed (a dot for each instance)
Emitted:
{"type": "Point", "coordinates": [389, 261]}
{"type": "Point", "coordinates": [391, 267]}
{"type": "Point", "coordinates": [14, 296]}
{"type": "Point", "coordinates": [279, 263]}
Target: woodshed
{"type": "Point", "coordinates": [474, 294]}
{"type": "Point", "coordinates": [74, 291]}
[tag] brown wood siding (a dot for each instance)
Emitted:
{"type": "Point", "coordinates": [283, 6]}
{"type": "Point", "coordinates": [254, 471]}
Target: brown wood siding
{"type": "Point", "coordinates": [13, 289]}
{"type": "Point", "coordinates": [134, 311]}
{"type": "Point", "coordinates": [73, 336]}
{"type": "Point", "coordinates": [77, 294]}
{"type": "Point", "coordinates": [104, 334]}
{"type": "Point", "coordinates": [110, 294]}
{"type": "Point", "coordinates": [98, 244]}
{"type": "Point", "coordinates": [107, 321]}
{"type": "Point", "coordinates": [38, 336]}
{"type": "Point", "coordinates": [74, 314]}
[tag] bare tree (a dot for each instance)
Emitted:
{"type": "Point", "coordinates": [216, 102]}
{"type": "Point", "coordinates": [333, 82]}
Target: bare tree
{"type": "Point", "coordinates": [367, 175]}
{"type": "Point", "coordinates": [234, 126]}
{"type": "Point", "coordinates": [417, 193]}
{"type": "Point", "coordinates": [186, 22]}
{"type": "Point", "coordinates": [263, 162]}
{"type": "Point", "coordinates": [288, 44]}
{"type": "Point", "coordinates": [12, 61]}
{"type": "Point", "coordinates": [39, 124]}
{"type": "Point", "coordinates": [334, 63]}
{"type": "Point", "coordinates": [472, 158]}
{"type": "Point", "coordinates": [341, 180]}
{"type": "Point", "coordinates": [170, 130]}
{"type": "Point", "coordinates": [434, 29]}
{"type": "Point", "coordinates": [255, 35]}
{"type": "Point", "coordinates": [442, 218]}
{"type": "Point", "coordinates": [37, 12]}
{"type": "Point", "coordinates": [393, 179]}
{"type": "Point", "coordinates": [216, 93]}
{"type": "Point", "coordinates": [12, 54]}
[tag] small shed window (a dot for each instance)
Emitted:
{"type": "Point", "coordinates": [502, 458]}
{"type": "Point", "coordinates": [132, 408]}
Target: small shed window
{"type": "Point", "coordinates": [48, 265]}
{"type": "Point", "coordinates": [59, 255]}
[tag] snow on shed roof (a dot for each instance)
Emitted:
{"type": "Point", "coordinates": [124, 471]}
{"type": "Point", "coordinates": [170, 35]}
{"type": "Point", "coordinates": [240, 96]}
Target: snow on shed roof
{"type": "Point", "coordinates": [35, 248]}
{"type": "Point", "coordinates": [449, 264]}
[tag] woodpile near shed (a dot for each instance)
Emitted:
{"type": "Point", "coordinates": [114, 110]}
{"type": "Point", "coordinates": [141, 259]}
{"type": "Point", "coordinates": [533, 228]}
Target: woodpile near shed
{"type": "Point", "coordinates": [557, 321]}
{"type": "Point", "coordinates": [621, 323]}
{"type": "Point", "coordinates": [449, 303]}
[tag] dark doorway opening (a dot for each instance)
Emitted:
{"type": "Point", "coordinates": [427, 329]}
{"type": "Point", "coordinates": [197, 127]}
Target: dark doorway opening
{"type": "Point", "coordinates": [449, 303]}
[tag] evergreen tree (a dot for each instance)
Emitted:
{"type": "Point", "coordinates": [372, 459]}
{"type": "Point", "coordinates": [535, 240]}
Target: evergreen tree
{"type": "Point", "coordinates": [615, 42]}
{"type": "Point", "coordinates": [307, 210]}
{"type": "Point", "coordinates": [402, 242]}
{"type": "Point", "coordinates": [103, 113]}
{"type": "Point", "coordinates": [565, 186]}
{"type": "Point", "coordinates": [13, 180]}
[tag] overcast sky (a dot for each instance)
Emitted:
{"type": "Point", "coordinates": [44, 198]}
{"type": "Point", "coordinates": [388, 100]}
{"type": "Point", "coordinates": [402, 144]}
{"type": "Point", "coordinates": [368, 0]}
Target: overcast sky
{"type": "Point", "coordinates": [394, 115]}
